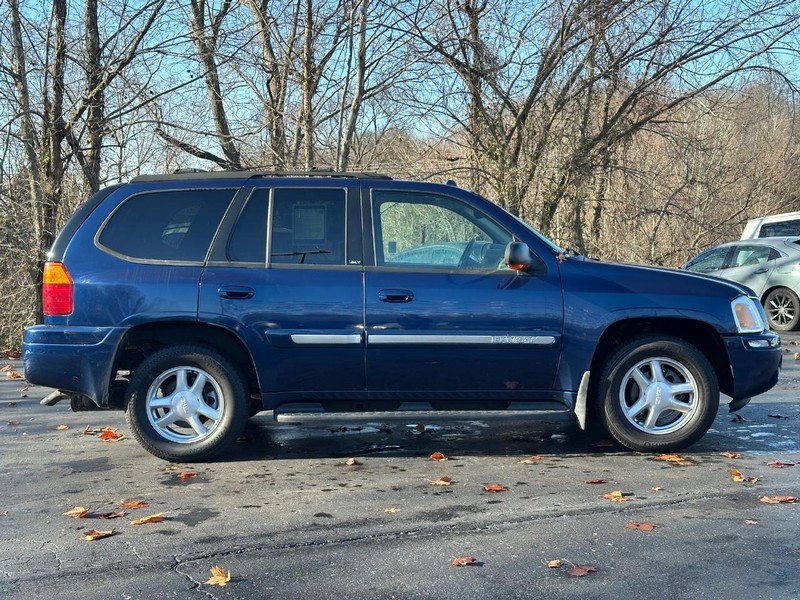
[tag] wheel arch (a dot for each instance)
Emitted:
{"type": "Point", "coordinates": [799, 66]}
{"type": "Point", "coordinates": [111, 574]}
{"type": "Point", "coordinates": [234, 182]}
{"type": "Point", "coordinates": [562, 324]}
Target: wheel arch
{"type": "Point", "coordinates": [141, 341]}
{"type": "Point", "coordinates": [701, 335]}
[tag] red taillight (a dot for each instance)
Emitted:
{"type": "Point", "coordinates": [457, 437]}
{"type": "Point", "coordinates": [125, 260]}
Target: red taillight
{"type": "Point", "coordinates": [56, 290]}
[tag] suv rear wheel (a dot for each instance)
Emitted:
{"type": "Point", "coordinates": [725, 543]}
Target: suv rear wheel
{"type": "Point", "coordinates": [658, 394]}
{"type": "Point", "coordinates": [186, 403]}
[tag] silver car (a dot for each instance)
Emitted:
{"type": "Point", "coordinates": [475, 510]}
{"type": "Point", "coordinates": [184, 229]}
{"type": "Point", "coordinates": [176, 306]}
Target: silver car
{"type": "Point", "coordinates": [769, 266]}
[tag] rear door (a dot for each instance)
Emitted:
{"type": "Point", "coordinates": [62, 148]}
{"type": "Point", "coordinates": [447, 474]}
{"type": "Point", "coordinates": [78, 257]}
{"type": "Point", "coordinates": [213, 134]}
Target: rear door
{"type": "Point", "coordinates": [286, 276]}
{"type": "Point", "coordinates": [751, 265]}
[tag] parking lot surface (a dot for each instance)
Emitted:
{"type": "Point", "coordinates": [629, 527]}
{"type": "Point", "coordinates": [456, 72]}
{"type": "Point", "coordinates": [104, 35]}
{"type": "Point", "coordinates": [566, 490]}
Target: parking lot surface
{"type": "Point", "coordinates": [287, 517]}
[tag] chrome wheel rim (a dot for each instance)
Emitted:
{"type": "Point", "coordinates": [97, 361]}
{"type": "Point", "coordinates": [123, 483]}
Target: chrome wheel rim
{"type": "Point", "coordinates": [781, 309]}
{"type": "Point", "coordinates": [185, 404]}
{"type": "Point", "coordinates": [659, 395]}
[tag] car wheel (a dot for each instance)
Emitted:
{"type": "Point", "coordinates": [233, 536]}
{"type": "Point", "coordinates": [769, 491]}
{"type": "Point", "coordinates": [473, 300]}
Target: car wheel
{"type": "Point", "coordinates": [783, 309]}
{"type": "Point", "coordinates": [186, 403]}
{"type": "Point", "coordinates": [658, 394]}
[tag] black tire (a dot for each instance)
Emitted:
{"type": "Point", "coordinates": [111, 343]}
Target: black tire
{"type": "Point", "coordinates": [638, 417]}
{"type": "Point", "coordinates": [187, 424]}
{"type": "Point", "coordinates": [783, 309]}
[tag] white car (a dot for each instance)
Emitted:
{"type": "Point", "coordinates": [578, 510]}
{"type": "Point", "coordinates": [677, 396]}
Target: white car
{"type": "Point", "coordinates": [773, 226]}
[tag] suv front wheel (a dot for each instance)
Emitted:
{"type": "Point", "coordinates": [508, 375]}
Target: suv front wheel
{"type": "Point", "coordinates": [658, 394]}
{"type": "Point", "coordinates": [186, 403]}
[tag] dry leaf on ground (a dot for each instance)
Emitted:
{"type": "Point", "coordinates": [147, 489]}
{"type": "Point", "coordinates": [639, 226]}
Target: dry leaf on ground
{"type": "Point", "coordinates": [156, 518]}
{"type": "Point", "coordinates": [580, 570]}
{"type": "Point", "coordinates": [737, 476]}
{"type": "Point", "coordinates": [779, 499]}
{"type": "Point", "coordinates": [438, 457]}
{"type": "Point", "coordinates": [218, 576]}
{"type": "Point", "coordinates": [731, 454]}
{"type": "Point", "coordinates": [62, 427]}
{"type": "Point", "coordinates": [554, 564]}
{"type": "Point", "coordinates": [443, 480]}
{"type": "Point", "coordinates": [776, 464]}
{"type": "Point", "coordinates": [78, 512]}
{"type": "Point", "coordinates": [615, 496]}
{"type": "Point", "coordinates": [640, 526]}
{"type": "Point", "coordinates": [656, 488]}
{"type": "Point", "coordinates": [12, 423]}
{"type": "Point", "coordinates": [111, 515]}
{"type": "Point", "coordinates": [595, 481]}
{"type": "Point", "coordinates": [187, 474]}
{"type": "Point", "coordinates": [128, 504]}
{"type": "Point", "coordinates": [494, 487]}
{"type": "Point", "coordinates": [530, 460]}
{"type": "Point", "coordinates": [391, 510]}
{"type": "Point", "coordinates": [94, 534]}
{"type": "Point", "coordinates": [352, 462]}
{"type": "Point", "coordinates": [750, 522]}
{"type": "Point", "coordinates": [463, 561]}
{"type": "Point", "coordinates": [675, 459]}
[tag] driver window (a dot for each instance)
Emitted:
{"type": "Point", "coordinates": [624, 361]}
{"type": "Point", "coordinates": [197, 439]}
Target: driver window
{"type": "Point", "coordinates": [430, 231]}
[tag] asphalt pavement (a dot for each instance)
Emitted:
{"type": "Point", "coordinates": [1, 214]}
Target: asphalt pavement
{"type": "Point", "coordinates": [286, 517]}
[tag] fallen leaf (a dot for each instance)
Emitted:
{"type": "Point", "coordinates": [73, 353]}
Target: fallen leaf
{"type": "Point", "coordinates": [731, 454]}
{"type": "Point", "coordinates": [391, 510]}
{"type": "Point", "coordinates": [13, 375]}
{"type": "Point", "coordinates": [494, 487]}
{"type": "Point", "coordinates": [737, 476]}
{"type": "Point", "coordinates": [187, 474]}
{"type": "Point", "coordinates": [675, 459]}
{"type": "Point", "coordinates": [78, 512]}
{"type": "Point", "coordinates": [157, 518]}
{"type": "Point", "coordinates": [94, 534]}
{"type": "Point", "coordinates": [531, 460]}
{"type": "Point", "coordinates": [352, 462]}
{"type": "Point", "coordinates": [580, 570]}
{"type": "Point", "coordinates": [438, 457]}
{"type": "Point", "coordinates": [776, 464]}
{"type": "Point", "coordinates": [750, 522]}
{"type": "Point", "coordinates": [12, 404]}
{"type": "Point", "coordinates": [779, 499]}
{"type": "Point", "coordinates": [640, 526]}
{"type": "Point", "coordinates": [792, 343]}
{"type": "Point", "coordinates": [615, 496]}
{"type": "Point", "coordinates": [443, 480]}
{"type": "Point", "coordinates": [6, 367]}
{"type": "Point", "coordinates": [421, 427]}
{"type": "Point", "coordinates": [739, 419]}
{"type": "Point", "coordinates": [88, 431]}
{"type": "Point", "coordinates": [656, 488]}
{"type": "Point", "coordinates": [62, 427]}
{"type": "Point", "coordinates": [129, 504]}
{"type": "Point", "coordinates": [595, 481]}
{"type": "Point", "coordinates": [218, 576]}
{"type": "Point", "coordinates": [554, 564]}
{"type": "Point", "coordinates": [3, 513]}
{"type": "Point", "coordinates": [463, 561]}
{"type": "Point", "coordinates": [778, 416]}
{"type": "Point", "coordinates": [13, 423]}
{"type": "Point", "coordinates": [796, 356]}
{"type": "Point", "coordinates": [110, 434]}
{"type": "Point", "coordinates": [111, 515]}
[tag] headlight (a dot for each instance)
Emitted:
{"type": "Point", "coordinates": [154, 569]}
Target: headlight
{"type": "Point", "coordinates": [747, 314]}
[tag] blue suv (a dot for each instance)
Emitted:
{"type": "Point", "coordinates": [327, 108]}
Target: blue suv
{"type": "Point", "coordinates": [194, 300]}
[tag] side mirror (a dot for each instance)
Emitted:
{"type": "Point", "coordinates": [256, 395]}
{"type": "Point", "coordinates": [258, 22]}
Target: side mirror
{"type": "Point", "coordinates": [518, 256]}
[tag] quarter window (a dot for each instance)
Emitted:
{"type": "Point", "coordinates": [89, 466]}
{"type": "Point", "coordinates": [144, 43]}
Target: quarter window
{"type": "Point", "coordinates": [177, 225]}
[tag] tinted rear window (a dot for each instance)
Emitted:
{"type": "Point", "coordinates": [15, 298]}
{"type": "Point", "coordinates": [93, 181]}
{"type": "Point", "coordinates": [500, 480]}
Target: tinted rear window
{"type": "Point", "coordinates": [176, 225]}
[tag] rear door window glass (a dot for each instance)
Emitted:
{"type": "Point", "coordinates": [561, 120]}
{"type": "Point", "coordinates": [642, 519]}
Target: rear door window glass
{"type": "Point", "coordinates": [176, 225]}
{"type": "Point", "coordinates": [308, 226]}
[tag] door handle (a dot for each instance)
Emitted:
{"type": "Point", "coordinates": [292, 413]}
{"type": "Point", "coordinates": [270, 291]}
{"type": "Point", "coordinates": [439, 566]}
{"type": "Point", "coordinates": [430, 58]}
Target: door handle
{"type": "Point", "coordinates": [761, 270]}
{"type": "Point", "coordinates": [236, 292]}
{"type": "Point", "coordinates": [395, 296]}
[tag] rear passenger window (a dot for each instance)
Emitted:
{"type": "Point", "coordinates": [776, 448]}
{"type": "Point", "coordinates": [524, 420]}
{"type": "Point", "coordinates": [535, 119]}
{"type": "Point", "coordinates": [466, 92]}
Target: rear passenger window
{"type": "Point", "coordinates": [308, 227]}
{"type": "Point", "coordinates": [248, 241]}
{"type": "Point", "coordinates": [175, 225]}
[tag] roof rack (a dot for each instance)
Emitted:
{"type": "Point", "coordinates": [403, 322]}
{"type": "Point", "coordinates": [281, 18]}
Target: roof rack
{"type": "Point", "coordinates": [200, 175]}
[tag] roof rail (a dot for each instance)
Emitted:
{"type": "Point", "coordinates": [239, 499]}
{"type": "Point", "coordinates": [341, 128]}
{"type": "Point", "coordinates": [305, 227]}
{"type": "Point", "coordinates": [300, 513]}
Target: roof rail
{"type": "Point", "coordinates": [200, 175]}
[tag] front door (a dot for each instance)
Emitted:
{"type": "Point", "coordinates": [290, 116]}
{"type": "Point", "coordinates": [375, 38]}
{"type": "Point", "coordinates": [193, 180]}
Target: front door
{"type": "Point", "coordinates": [446, 320]}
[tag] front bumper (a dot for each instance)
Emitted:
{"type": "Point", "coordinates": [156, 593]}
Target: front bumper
{"type": "Point", "coordinates": [755, 361]}
{"type": "Point", "coordinates": [78, 360]}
